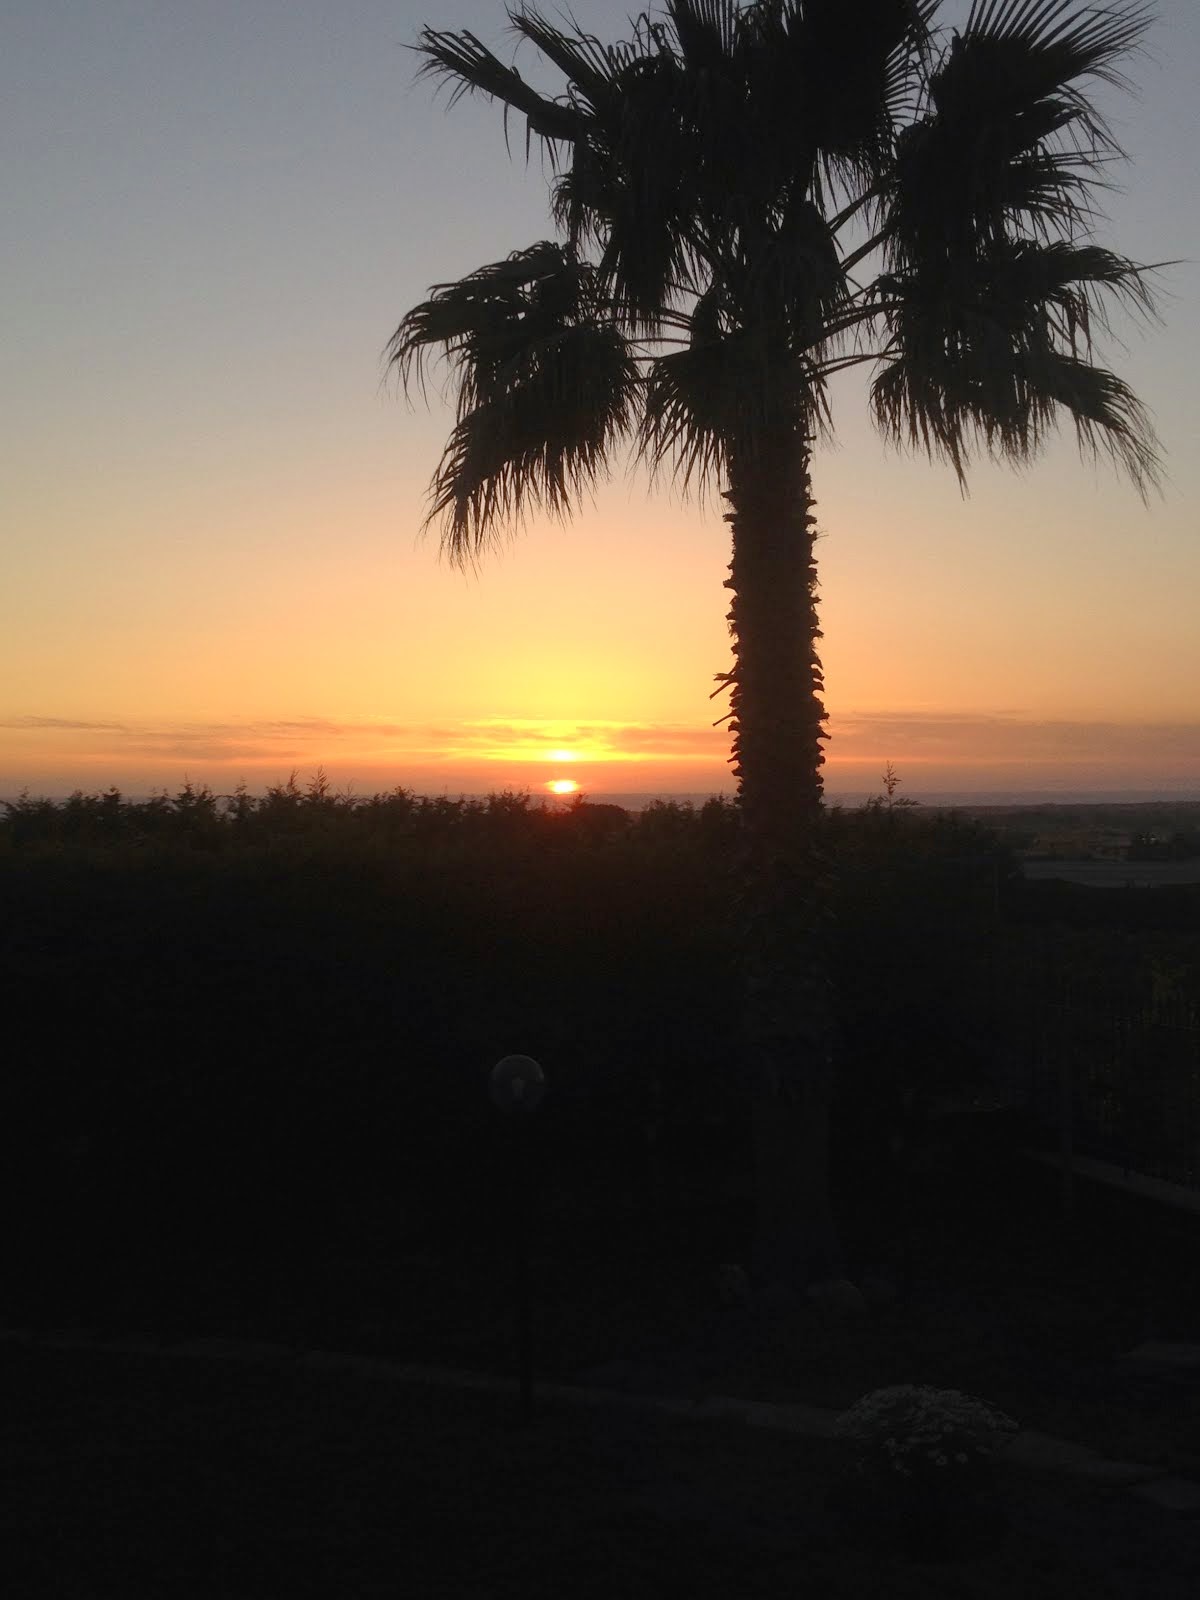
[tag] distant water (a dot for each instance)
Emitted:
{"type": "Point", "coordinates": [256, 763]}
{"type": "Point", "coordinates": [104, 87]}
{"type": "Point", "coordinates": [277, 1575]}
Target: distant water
{"type": "Point", "coordinates": [998, 797]}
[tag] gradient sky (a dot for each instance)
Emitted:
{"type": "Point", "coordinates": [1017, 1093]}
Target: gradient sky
{"type": "Point", "coordinates": [214, 216]}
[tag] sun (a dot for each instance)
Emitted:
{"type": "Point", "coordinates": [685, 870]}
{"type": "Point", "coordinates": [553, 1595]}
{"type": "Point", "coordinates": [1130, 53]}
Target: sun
{"type": "Point", "coordinates": [563, 786]}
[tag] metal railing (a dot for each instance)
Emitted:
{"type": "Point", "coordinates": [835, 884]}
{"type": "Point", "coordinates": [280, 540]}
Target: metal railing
{"type": "Point", "coordinates": [1120, 1085]}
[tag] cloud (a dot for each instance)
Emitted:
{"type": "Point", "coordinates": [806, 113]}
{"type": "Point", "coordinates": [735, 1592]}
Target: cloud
{"type": "Point", "coordinates": [65, 724]}
{"type": "Point", "coordinates": [530, 739]}
{"type": "Point", "coordinates": [926, 746]}
{"type": "Point", "coordinates": [963, 738]}
{"type": "Point", "coordinates": [313, 726]}
{"type": "Point", "coordinates": [291, 739]}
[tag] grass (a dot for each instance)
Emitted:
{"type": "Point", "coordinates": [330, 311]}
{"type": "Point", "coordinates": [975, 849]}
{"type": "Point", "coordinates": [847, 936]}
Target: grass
{"type": "Point", "coordinates": [1026, 1317]}
{"type": "Point", "coordinates": [131, 1475]}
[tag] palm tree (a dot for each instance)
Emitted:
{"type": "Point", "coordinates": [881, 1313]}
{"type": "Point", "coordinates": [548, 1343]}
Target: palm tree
{"type": "Point", "coordinates": [747, 200]}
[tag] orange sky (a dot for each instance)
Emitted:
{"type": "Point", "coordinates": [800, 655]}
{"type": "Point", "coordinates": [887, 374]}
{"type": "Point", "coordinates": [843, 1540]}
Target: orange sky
{"type": "Point", "coordinates": [211, 564]}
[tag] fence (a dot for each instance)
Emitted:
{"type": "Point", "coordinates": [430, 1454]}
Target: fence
{"type": "Point", "coordinates": [1120, 1085]}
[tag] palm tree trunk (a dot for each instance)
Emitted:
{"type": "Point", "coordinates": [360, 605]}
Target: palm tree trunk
{"type": "Point", "coordinates": [777, 723]}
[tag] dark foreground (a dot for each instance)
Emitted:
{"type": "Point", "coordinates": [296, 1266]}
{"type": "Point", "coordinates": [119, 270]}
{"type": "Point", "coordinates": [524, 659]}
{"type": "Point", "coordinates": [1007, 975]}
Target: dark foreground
{"type": "Point", "coordinates": [157, 1475]}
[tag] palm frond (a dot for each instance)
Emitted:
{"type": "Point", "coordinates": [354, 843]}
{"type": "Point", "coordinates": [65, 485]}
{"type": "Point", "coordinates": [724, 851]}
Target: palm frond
{"type": "Point", "coordinates": [590, 69]}
{"type": "Point", "coordinates": [996, 359]}
{"type": "Point", "coordinates": [907, 66]}
{"type": "Point", "coordinates": [578, 198]}
{"type": "Point", "coordinates": [542, 441]}
{"type": "Point", "coordinates": [1012, 139]}
{"type": "Point", "coordinates": [678, 432]}
{"type": "Point", "coordinates": [706, 30]}
{"type": "Point", "coordinates": [1108, 417]}
{"type": "Point", "coordinates": [647, 169]}
{"type": "Point", "coordinates": [724, 396]}
{"type": "Point", "coordinates": [464, 320]}
{"type": "Point", "coordinates": [793, 279]}
{"type": "Point", "coordinates": [546, 385]}
{"type": "Point", "coordinates": [462, 61]}
{"type": "Point", "coordinates": [1074, 40]}
{"type": "Point", "coordinates": [1073, 285]}
{"type": "Point", "coordinates": [844, 72]}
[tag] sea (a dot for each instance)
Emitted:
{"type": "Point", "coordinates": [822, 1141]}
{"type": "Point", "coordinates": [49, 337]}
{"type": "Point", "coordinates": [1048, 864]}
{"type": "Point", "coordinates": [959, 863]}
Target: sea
{"type": "Point", "coordinates": [967, 799]}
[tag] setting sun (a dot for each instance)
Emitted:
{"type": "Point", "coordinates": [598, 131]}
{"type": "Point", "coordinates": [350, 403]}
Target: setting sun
{"type": "Point", "coordinates": [563, 786]}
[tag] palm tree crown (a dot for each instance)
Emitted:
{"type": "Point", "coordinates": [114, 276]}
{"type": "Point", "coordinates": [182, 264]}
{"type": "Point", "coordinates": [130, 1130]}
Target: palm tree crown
{"type": "Point", "coordinates": [752, 197]}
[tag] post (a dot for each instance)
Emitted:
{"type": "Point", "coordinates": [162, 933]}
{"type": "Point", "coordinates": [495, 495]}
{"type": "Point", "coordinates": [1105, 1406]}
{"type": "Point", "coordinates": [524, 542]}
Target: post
{"type": "Point", "coordinates": [521, 1261]}
{"type": "Point", "coordinates": [517, 1086]}
{"type": "Point", "coordinates": [1066, 1133]}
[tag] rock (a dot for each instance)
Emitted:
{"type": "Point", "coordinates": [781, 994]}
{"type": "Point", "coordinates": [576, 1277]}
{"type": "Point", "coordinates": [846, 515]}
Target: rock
{"type": "Point", "coordinates": [877, 1289]}
{"type": "Point", "coordinates": [1179, 1495]}
{"type": "Point", "coordinates": [608, 1375]}
{"type": "Point", "coordinates": [779, 1299]}
{"type": "Point", "coordinates": [257, 1352]}
{"type": "Point", "coordinates": [836, 1297]}
{"type": "Point", "coordinates": [732, 1284]}
{"type": "Point", "coordinates": [1155, 1355]}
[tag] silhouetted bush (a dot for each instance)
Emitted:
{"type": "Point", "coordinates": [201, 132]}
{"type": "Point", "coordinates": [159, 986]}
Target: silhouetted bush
{"type": "Point", "coordinates": [264, 1023]}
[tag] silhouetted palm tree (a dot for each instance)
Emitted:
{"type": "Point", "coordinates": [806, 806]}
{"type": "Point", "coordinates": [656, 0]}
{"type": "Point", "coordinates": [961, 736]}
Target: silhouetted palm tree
{"type": "Point", "coordinates": [749, 199]}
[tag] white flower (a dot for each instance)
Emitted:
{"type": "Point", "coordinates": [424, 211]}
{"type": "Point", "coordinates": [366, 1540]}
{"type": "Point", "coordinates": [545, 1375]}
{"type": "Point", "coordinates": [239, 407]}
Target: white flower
{"type": "Point", "coordinates": [908, 1420]}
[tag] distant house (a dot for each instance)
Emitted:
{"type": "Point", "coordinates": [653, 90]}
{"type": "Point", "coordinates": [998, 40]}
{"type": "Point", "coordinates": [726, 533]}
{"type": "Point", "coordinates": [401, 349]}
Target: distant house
{"type": "Point", "coordinates": [1113, 846]}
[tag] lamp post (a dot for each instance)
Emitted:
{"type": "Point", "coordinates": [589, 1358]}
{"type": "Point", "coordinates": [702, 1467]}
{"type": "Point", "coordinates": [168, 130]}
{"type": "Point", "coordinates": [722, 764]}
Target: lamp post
{"type": "Point", "coordinates": [517, 1086]}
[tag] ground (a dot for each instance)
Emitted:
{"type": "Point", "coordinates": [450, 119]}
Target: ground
{"type": "Point", "coordinates": [162, 1475]}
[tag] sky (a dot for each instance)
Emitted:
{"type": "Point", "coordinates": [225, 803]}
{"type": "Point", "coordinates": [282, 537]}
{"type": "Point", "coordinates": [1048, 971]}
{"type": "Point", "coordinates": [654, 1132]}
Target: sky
{"type": "Point", "coordinates": [211, 559]}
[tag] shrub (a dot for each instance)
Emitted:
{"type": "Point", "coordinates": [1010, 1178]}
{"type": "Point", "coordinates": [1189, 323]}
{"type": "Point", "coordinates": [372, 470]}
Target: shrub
{"type": "Point", "coordinates": [922, 1474]}
{"type": "Point", "coordinates": [925, 1434]}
